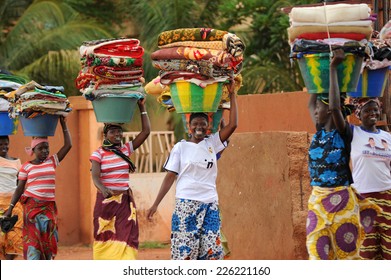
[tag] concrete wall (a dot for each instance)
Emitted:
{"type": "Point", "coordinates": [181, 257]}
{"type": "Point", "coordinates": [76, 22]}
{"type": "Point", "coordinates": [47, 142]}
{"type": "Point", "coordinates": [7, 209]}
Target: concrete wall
{"type": "Point", "coordinates": [263, 189]}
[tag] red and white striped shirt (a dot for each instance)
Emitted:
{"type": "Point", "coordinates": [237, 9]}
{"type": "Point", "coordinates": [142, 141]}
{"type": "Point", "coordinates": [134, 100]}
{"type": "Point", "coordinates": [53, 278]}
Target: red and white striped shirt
{"type": "Point", "coordinates": [40, 178]}
{"type": "Point", "coordinates": [114, 170]}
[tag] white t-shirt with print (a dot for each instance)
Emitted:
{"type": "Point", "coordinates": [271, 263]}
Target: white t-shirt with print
{"type": "Point", "coordinates": [371, 159]}
{"type": "Point", "coordinates": [196, 166]}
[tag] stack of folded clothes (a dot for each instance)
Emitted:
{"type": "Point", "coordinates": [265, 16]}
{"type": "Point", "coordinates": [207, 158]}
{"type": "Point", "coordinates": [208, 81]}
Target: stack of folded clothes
{"type": "Point", "coordinates": [8, 83]}
{"type": "Point", "coordinates": [111, 67]}
{"type": "Point", "coordinates": [32, 99]}
{"type": "Point", "coordinates": [315, 31]}
{"type": "Point", "coordinates": [374, 77]}
{"type": "Point", "coordinates": [381, 49]}
{"type": "Point", "coordinates": [348, 21]}
{"type": "Point", "coordinates": [196, 56]}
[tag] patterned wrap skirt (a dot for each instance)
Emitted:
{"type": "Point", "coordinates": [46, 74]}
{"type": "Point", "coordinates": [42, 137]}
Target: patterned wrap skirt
{"type": "Point", "coordinates": [195, 231]}
{"type": "Point", "coordinates": [336, 223]}
{"type": "Point", "coordinates": [377, 243]}
{"type": "Point", "coordinates": [116, 229]}
{"type": "Point", "coordinates": [40, 232]}
{"type": "Point", "coordinates": [11, 242]}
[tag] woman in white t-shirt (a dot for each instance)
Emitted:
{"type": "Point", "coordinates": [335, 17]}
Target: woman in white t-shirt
{"type": "Point", "coordinates": [371, 159]}
{"type": "Point", "coordinates": [196, 223]}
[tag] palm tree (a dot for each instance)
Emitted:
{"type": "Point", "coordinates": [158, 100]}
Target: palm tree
{"type": "Point", "coordinates": [43, 43]}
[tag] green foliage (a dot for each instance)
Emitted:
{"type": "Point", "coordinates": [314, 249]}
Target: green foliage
{"type": "Point", "coordinates": [41, 33]}
{"type": "Point", "coordinates": [58, 66]}
{"type": "Point", "coordinates": [153, 245]}
{"type": "Point", "coordinates": [263, 28]}
{"type": "Point", "coordinates": [44, 41]}
{"type": "Point", "coordinates": [108, 13]}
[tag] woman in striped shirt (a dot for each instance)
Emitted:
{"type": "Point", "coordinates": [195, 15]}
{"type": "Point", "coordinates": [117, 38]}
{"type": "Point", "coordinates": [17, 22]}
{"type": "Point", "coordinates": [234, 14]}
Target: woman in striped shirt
{"type": "Point", "coordinates": [36, 192]}
{"type": "Point", "coordinates": [115, 223]}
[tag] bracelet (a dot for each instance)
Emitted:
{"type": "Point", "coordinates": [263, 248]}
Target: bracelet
{"type": "Point", "coordinates": [144, 113]}
{"type": "Point", "coordinates": [65, 130]}
{"type": "Point", "coordinates": [12, 205]}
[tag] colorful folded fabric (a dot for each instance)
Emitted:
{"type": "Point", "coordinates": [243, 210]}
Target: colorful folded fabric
{"type": "Point", "coordinates": [97, 60]}
{"type": "Point", "coordinates": [217, 57]}
{"type": "Point", "coordinates": [330, 13]}
{"type": "Point", "coordinates": [154, 87]}
{"type": "Point", "coordinates": [342, 31]}
{"type": "Point", "coordinates": [167, 78]}
{"type": "Point", "coordinates": [203, 67]}
{"type": "Point", "coordinates": [115, 47]}
{"type": "Point", "coordinates": [33, 97]}
{"type": "Point", "coordinates": [190, 34]}
{"type": "Point", "coordinates": [117, 73]}
{"type": "Point", "coordinates": [230, 43]}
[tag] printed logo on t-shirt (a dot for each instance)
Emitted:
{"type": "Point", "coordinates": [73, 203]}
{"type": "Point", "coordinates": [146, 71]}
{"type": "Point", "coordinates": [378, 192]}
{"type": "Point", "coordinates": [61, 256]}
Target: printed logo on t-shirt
{"type": "Point", "coordinates": [377, 149]}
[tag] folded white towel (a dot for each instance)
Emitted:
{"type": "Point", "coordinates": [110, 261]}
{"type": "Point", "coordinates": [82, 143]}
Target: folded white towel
{"type": "Point", "coordinates": [330, 13]}
{"type": "Point", "coordinates": [339, 23]}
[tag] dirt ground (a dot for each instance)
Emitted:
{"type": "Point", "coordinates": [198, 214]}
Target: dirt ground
{"type": "Point", "coordinates": [85, 253]}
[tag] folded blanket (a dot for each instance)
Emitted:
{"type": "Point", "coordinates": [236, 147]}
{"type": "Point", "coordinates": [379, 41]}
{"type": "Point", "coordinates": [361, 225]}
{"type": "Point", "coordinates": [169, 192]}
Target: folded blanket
{"type": "Point", "coordinates": [297, 32]}
{"type": "Point", "coordinates": [166, 78]}
{"type": "Point", "coordinates": [97, 60]}
{"type": "Point", "coordinates": [117, 73]}
{"type": "Point", "coordinates": [8, 85]}
{"type": "Point", "coordinates": [217, 57]}
{"type": "Point", "coordinates": [190, 34]}
{"type": "Point", "coordinates": [330, 13]}
{"type": "Point", "coordinates": [203, 67]}
{"type": "Point", "coordinates": [119, 47]}
{"type": "Point", "coordinates": [230, 43]}
{"type": "Point", "coordinates": [339, 23]}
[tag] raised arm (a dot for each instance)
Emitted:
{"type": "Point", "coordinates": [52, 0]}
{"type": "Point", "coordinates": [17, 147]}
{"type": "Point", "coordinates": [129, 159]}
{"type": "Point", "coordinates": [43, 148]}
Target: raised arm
{"type": "Point", "coordinates": [145, 125]}
{"type": "Point", "coordinates": [67, 140]}
{"type": "Point", "coordinates": [334, 93]}
{"type": "Point", "coordinates": [312, 106]}
{"type": "Point", "coordinates": [165, 187]}
{"type": "Point", "coordinates": [227, 130]}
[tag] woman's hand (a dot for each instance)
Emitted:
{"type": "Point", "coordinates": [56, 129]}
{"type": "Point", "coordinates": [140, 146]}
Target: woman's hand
{"type": "Point", "coordinates": [338, 57]}
{"type": "Point", "coordinates": [8, 213]}
{"type": "Point", "coordinates": [141, 102]}
{"type": "Point", "coordinates": [106, 192]}
{"type": "Point", "coordinates": [151, 211]}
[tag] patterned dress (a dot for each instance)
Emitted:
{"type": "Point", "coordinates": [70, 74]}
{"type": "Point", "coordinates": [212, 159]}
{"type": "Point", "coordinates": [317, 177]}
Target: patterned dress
{"type": "Point", "coordinates": [335, 210]}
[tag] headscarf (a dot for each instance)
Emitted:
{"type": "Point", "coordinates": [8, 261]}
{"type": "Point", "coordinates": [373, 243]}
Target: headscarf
{"type": "Point", "coordinates": [346, 109]}
{"type": "Point", "coordinates": [108, 126]}
{"type": "Point", "coordinates": [34, 142]}
{"type": "Point", "coordinates": [359, 103]}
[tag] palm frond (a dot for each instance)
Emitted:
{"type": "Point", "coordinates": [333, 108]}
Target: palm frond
{"type": "Point", "coordinates": [55, 68]}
